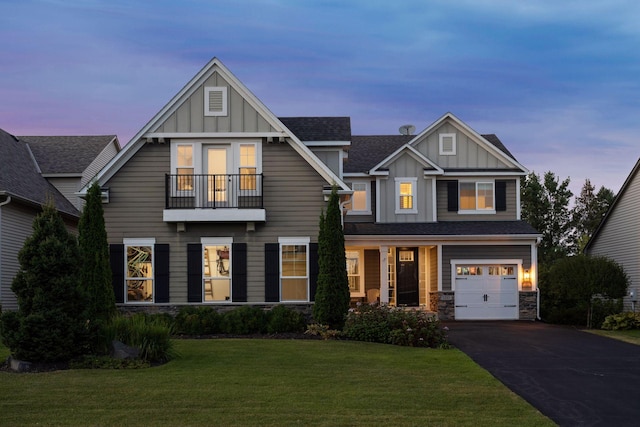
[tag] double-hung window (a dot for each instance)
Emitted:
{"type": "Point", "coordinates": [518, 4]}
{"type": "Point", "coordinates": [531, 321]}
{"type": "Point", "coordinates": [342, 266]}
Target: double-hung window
{"type": "Point", "coordinates": [360, 200]}
{"type": "Point", "coordinates": [406, 195]}
{"type": "Point", "coordinates": [247, 167]}
{"type": "Point", "coordinates": [355, 272]}
{"type": "Point", "coordinates": [216, 269]}
{"type": "Point", "coordinates": [184, 168]}
{"type": "Point", "coordinates": [139, 269]}
{"type": "Point", "coordinates": [294, 269]}
{"type": "Point", "coordinates": [477, 196]}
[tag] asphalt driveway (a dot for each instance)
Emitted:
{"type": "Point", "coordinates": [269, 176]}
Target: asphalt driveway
{"type": "Point", "coordinates": [573, 377]}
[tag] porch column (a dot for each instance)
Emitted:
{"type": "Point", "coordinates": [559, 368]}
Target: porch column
{"type": "Point", "coordinates": [384, 276]}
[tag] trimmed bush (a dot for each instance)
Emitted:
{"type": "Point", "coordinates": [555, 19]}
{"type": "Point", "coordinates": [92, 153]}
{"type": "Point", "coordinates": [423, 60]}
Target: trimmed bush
{"type": "Point", "coordinates": [197, 321]}
{"type": "Point", "coordinates": [622, 321]}
{"type": "Point", "coordinates": [282, 319]}
{"type": "Point", "coordinates": [149, 334]}
{"type": "Point", "coordinates": [244, 320]}
{"type": "Point", "coordinates": [391, 325]}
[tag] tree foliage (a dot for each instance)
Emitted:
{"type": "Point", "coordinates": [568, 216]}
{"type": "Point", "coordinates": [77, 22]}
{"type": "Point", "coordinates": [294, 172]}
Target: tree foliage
{"type": "Point", "coordinates": [48, 325]}
{"type": "Point", "coordinates": [95, 269]}
{"type": "Point", "coordinates": [589, 209]}
{"type": "Point", "coordinates": [579, 282]}
{"type": "Point", "coordinates": [332, 294]}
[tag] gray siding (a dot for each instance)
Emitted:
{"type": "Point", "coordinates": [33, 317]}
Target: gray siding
{"type": "Point", "coordinates": [450, 252]}
{"type": "Point", "coordinates": [98, 163]}
{"type": "Point", "coordinates": [68, 187]}
{"type": "Point", "coordinates": [292, 198]}
{"type": "Point", "coordinates": [189, 117]}
{"type": "Point", "coordinates": [619, 237]}
{"type": "Point", "coordinates": [406, 167]}
{"type": "Point", "coordinates": [371, 269]}
{"type": "Point", "coordinates": [330, 158]}
{"type": "Point", "coordinates": [469, 154]}
{"type": "Point", "coordinates": [509, 215]}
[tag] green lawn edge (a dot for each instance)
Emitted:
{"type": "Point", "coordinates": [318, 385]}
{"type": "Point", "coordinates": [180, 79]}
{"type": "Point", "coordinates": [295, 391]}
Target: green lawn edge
{"type": "Point", "coordinates": [631, 336]}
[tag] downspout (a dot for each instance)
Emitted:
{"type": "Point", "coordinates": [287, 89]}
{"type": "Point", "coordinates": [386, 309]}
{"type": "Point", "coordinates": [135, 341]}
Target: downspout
{"type": "Point", "coordinates": [538, 241]}
{"type": "Point", "coordinates": [342, 211]}
{"type": "Point", "coordinates": [6, 202]}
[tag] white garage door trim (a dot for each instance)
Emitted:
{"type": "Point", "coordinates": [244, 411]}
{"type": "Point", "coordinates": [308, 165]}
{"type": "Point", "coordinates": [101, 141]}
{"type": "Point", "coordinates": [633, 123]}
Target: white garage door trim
{"type": "Point", "coordinates": [497, 295]}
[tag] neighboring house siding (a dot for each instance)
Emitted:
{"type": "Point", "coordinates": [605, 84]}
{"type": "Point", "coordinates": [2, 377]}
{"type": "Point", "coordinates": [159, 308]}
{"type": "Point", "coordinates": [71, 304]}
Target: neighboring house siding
{"type": "Point", "coordinates": [68, 187]}
{"type": "Point", "coordinates": [469, 154]}
{"type": "Point", "coordinates": [490, 252]}
{"type": "Point", "coordinates": [16, 224]}
{"type": "Point", "coordinates": [619, 237]}
{"type": "Point", "coordinates": [330, 158]}
{"type": "Point", "coordinates": [292, 198]}
{"type": "Point", "coordinates": [510, 214]}
{"type": "Point", "coordinates": [189, 117]}
{"type": "Point", "coordinates": [98, 163]}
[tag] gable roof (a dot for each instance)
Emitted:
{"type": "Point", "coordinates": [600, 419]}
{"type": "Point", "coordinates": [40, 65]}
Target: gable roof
{"type": "Point", "coordinates": [67, 154]}
{"type": "Point", "coordinates": [216, 66]}
{"type": "Point", "coordinates": [367, 151]}
{"type": "Point", "coordinates": [634, 172]}
{"type": "Point", "coordinates": [406, 149]}
{"type": "Point", "coordinates": [319, 128]}
{"type": "Point", "coordinates": [20, 176]}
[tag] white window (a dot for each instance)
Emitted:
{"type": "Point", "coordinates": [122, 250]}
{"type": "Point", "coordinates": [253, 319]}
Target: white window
{"type": "Point", "coordinates": [355, 272]}
{"type": "Point", "coordinates": [216, 269]}
{"type": "Point", "coordinates": [477, 196]}
{"type": "Point", "coordinates": [360, 199]}
{"type": "Point", "coordinates": [247, 167]}
{"type": "Point", "coordinates": [406, 195]}
{"type": "Point", "coordinates": [139, 270]}
{"type": "Point", "coordinates": [215, 101]}
{"type": "Point", "coordinates": [447, 144]}
{"type": "Point", "coordinates": [184, 168]}
{"type": "Point", "coordinates": [294, 269]}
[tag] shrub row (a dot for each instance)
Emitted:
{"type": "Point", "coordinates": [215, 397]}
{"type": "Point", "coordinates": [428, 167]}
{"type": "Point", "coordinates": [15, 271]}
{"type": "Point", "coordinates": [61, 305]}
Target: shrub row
{"type": "Point", "coordinates": [622, 321]}
{"type": "Point", "coordinates": [240, 321]}
{"type": "Point", "coordinates": [392, 325]}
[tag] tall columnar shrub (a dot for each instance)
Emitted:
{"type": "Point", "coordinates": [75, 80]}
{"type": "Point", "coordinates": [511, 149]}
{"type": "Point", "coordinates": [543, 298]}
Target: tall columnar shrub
{"type": "Point", "coordinates": [95, 273]}
{"type": "Point", "coordinates": [332, 294]}
{"type": "Point", "coordinates": [48, 325]}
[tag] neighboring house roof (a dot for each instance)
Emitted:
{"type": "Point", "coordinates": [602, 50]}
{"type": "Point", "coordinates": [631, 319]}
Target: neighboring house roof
{"type": "Point", "coordinates": [21, 178]}
{"type": "Point", "coordinates": [319, 128]}
{"type": "Point", "coordinates": [493, 139]}
{"type": "Point", "coordinates": [67, 154]}
{"type": "Point", "coordinates": [367, 151]}
{"type": "Point", "coordinates": [635, 171]}
{"type": "Point", "coordinates": [441, 228]}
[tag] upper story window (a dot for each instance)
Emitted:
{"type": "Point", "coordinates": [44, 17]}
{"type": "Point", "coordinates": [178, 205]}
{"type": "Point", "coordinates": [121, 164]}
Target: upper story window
{"type": "Point", "coordinates": [184, 167]}
{"type": "Point", "coordinates": [215, 101]}
{"type": "Point", "coordinates": [406, 195]}
{"type": "Point", "coordinates": [247, 167]}
{"type": "Point", "coordinates": [447, 144]}
{"type": "Point", "coordinates": [139, 270]}
{"type": "Point", "coordinates": [477, 196]}
{"type": "Point", "coordinates": [360, 199]}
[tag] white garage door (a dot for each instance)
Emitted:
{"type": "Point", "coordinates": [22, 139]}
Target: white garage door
{"type": "Point", "coordinates": [486, 292]}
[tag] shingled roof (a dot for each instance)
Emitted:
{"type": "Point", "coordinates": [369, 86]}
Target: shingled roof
{"type": "Point", "coordinates": [66, 154]}
{"type": "Point", "coordinates": [319, 128]}
{"type": "Point", "coordinates": [20, 176]}
{"type": "Point", "coordinates": [441, 228]}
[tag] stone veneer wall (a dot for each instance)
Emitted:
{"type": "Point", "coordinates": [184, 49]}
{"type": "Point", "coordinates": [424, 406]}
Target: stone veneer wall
{"type": "Point", "coordinates": [528, 305]}
{"type": "Point", "coordinates": [443, 304]}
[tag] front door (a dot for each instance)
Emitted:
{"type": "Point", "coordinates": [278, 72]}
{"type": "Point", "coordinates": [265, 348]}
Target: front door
{"type": "Point", "coordinates": [217, 191]}
{"type": "Point", "coordinates": [407, 276]}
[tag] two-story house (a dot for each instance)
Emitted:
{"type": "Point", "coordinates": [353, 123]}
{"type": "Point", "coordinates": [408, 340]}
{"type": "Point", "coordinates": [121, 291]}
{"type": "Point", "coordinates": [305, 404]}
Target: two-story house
{"type": "Point", "coordinates": [217, 201]}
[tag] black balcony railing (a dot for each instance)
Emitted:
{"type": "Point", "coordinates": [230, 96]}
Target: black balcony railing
{"type": "Point", "coordinates": [241, 191]}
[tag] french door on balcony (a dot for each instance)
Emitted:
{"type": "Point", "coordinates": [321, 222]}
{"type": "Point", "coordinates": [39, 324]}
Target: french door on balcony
{"type": "Point", "coordinates": [217, 186]}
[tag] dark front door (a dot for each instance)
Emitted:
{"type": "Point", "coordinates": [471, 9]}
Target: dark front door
{"type": "Point", "coordinates": [407, 276]}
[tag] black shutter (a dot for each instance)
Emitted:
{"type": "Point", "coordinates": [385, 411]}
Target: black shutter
{"type": "Point", "coordinates": [116, 259]}
{"type": "Point", "coordinates": [239, 270]}
{"type": "Point", "coordinates": [313, 270]}
{"type": "Point", "coordinates": [452, 196]}
{"type": "Point", "coordinates": [501, 196]}
{"type": "Point", "coordinates": [161, 254]}
{"type": "Point", "coordinates": [272, 272]}
{"type": "Point", "coordinates": [194, 272]}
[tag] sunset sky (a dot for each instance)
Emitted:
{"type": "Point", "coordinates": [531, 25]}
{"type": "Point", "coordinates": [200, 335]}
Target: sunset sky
{"type": "Point", "coordinates": [557, 81]}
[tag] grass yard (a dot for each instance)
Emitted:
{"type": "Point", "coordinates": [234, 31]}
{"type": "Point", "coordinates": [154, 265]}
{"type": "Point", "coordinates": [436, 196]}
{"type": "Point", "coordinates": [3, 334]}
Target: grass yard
{"type": "Point", "coordinates": [272, 382]}
{"type": "Point", "coordinates": [632, 336]}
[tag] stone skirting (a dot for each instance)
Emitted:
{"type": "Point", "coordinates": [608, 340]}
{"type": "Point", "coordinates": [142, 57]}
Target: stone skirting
{"type": "Point", "coordinates": [443, 303]}
{"type": "Point", "coordinates": [528, 305]}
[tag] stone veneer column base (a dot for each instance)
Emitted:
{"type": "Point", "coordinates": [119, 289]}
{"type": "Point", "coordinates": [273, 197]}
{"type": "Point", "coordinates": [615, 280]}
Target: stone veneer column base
{"type": "Point", "coordinates": [443, 303]}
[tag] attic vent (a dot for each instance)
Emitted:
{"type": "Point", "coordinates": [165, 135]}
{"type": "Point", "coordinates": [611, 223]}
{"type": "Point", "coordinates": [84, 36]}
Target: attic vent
{"type": "Point", "coordinates": [447, 144]}
{"type": "Point", "coordinates": [215, 101]}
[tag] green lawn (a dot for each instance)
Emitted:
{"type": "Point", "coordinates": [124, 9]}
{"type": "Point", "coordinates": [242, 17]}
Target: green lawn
{"type": "Point", "coordinates": [632, 336]}
{"type": "Point", "coordinates": [272, 382]}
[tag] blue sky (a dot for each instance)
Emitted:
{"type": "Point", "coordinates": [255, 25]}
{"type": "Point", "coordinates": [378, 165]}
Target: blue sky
{"type": "Point", "coordinates": [557, 81]}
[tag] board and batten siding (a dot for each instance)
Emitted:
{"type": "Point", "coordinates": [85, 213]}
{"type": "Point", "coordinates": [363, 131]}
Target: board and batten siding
{"type": "Point", "coordinates": [189, 117]}
{"type": "Point", "coordinates": [469, 154]}
{"type": "Point", "coordinates": [292, 198]}
{"type": "Point", "coordinates": [619, 237]}
{"type": "Point", "coordinates": [508, 215]}
{"type": "Point", "coordinates": [479, 252]}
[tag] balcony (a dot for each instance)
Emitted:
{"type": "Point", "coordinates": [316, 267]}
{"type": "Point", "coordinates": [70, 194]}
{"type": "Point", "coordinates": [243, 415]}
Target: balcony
{"type": "Point", "coordinates": [210, 198]}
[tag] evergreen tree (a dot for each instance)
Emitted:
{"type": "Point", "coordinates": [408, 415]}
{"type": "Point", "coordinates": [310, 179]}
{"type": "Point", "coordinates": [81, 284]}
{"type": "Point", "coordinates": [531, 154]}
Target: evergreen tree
{"type": "Point", "coordinates": [95, 270]}
{"type": "Point", "coordinates": [48, 325]}
{"type": "Point", "coordinates": [332, 294]}
{"type": "Point", "coordinates": [545, 205]}
{"type": "Point", "coordinates": [589, 209]}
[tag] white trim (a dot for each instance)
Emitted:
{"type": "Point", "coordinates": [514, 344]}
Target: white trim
{"type": "Point", "coordinates": [378, 197]}
{"type": "Point", "coordinates": [294, 241]}
{"type": "Point", "coordinates": [134, 241]}
{"type": "Point", "coordinates": [384, 274]}
{"type": "Point", "coordinates": [476, 210]}
{"type": "Point", "coordinates": [414, 195]}
{"type": "Point", "coordinates": [439, 263]}
{"type": "Point", "coordinates": [441, 138]}
{"type": "Point", "coordinates": [492, 261]}
{"type": "Point", "coordinates": [518, 202]}
{"type": "Point", "coordinates": [356, 175]}
{"type": "Point", "coordinates": [148, 241]}
{"type": "Point", "coordinates": [212, 241]}
{"type": "Point", "coordinates": [327, 143]}
{"type": "Point", "coordinates": [225, 101]}
{"type": "Point", "coordinates": [482, 174]}
{"type": "Point", "coordinates": [418, 156]}
{"type": "Point", "coordinates": [413, 240]}
{"type": "Point", "coordinates": [367, 190]}
{"type": "Point", "coordinates": [361, 269]}
{"type": "Point", "coordinates": [216, 241]}
{"type": "Point", "coordinates": [533, 268]}
{"type": "Point", "coordinates": [434, 200]}
{"type": "Point", "coordinates": [217, 135]}
{"type": "Point", "coordinates": [212, 215]}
